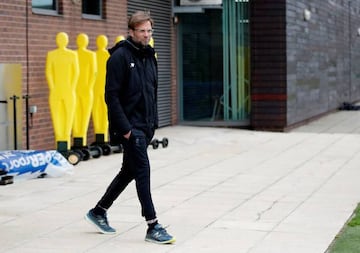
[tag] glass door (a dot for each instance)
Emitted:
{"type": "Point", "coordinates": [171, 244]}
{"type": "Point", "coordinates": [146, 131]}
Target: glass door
{"type": "Point", "coordinates": [214, 65]}
{"type": "Point", "coordinates": [236, 97]}
{"type": "Point", "coordinates": [202, 71]}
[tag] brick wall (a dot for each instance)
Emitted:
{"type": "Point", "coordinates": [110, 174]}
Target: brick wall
{"type": "Point", "coordinates": [42, 30]}
{"type": "Point", "coordinates": [302, 69]}
{"type": "Point", "coordinates": [268, 64]}
{"type": "Point", "coordinates": [13, 37]}
{"type": "Point", "coordinates": [323, 57]}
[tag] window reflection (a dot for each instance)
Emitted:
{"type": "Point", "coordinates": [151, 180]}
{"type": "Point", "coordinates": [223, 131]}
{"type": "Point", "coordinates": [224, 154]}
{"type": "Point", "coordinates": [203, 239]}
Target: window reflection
{"type": "Point", "coordinates": [44, 4]}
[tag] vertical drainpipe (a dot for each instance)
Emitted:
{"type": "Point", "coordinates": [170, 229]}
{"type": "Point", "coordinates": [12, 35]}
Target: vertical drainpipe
{"type": "Point", "coordinates": [350, 53]}
{"type": "Point", "coordinates": [27, 72]}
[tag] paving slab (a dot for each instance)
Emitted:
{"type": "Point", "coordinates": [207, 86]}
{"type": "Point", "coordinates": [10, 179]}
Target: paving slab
{"type": "Point", "coordinates": [218, 189]}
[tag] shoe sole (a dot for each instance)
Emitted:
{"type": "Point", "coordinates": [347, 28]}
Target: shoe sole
{"type": "Point", "coordinates": [97, 227]}
{"type": "Point", "coordinates": [158, 242]}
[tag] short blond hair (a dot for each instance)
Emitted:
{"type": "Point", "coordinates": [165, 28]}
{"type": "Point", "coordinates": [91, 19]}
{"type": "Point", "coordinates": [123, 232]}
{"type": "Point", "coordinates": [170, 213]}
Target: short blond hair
{"type": "Point", "coordinates": [139, 17]}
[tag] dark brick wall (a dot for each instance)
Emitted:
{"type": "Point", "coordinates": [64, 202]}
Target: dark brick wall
{"type": "Point", "coordinates": [302, 69]}
{"type": "Point", "coordinates": [323, 53]}
{"type": "Point", "coordinates": [268, 64]}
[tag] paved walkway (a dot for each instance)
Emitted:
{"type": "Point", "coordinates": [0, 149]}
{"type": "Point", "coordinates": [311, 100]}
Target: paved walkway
{"type": "Point", "coordinates": [218, 189]}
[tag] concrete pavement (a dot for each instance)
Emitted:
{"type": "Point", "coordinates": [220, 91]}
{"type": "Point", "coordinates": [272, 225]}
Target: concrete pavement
{"type": "Point", "coordinates": [218, 189]}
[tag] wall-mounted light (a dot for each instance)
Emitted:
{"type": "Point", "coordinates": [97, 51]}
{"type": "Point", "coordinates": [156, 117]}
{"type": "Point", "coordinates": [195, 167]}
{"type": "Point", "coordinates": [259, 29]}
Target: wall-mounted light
{"type": "Point", "coordinates": [32, 111]}
{"type": "Point", "coordinates": [307, 15]}
{"type": "Point", "coordinates": [175, 20]}
{"type": "Point", "coordinates": [358, 31]}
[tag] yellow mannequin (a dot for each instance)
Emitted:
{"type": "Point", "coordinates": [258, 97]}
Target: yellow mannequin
{"type": "Point", "coordinates": [99, 111]}
{"type": "Point", "coordinates": [119, 38]}
{"type": "Point", "coordinates": [62, 73]}
{"type": "Point", "coordinates": [84, 90]}
{"type": "Point", "coordinates": [151, 44]}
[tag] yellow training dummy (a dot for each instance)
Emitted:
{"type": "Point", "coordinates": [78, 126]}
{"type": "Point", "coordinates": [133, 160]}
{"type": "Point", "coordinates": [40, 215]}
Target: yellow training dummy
{"type": "Point", "coordinates": [99, 111]}
{"type": "Point", "coordinates": [119, 38]}
{"type": "Point", "coordinates": [151, 44]}
{"type": "Point", "coordinates": [84, 90]}
{"type": "Point", "coordinates": [62, 72]}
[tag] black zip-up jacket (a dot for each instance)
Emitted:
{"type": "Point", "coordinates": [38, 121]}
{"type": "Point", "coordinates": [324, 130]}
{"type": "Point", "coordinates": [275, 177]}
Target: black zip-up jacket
{"type": "Point", "coordinates": [131, 90]}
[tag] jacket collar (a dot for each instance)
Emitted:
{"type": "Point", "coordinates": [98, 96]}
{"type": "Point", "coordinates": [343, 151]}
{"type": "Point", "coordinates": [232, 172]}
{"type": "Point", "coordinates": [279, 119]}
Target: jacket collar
{"type": "Point", "coordinates": [136, 48]}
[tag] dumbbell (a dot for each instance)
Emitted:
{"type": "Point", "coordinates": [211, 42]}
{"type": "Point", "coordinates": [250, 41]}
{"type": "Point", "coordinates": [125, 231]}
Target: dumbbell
{"type": "Point", "coordinates": [6, 180]}
{"type": "Point", "coordinates": [164, 142]}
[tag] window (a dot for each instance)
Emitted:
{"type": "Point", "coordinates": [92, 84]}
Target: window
{"type": "Point", "coordinates": [45, 6]}
{"type": "Point", "coordinates": [92, 9]}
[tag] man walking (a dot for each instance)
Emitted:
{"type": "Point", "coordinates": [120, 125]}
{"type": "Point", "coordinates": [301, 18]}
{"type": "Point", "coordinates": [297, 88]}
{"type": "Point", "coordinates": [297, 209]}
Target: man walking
{"type": "Point", "coordinates": [131, 97]}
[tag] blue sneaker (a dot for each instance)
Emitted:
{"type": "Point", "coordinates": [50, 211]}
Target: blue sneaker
{"type": "Point", "coordinates": [100, 222]}
{"type": "Point", "coordinates": [159, 235]}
